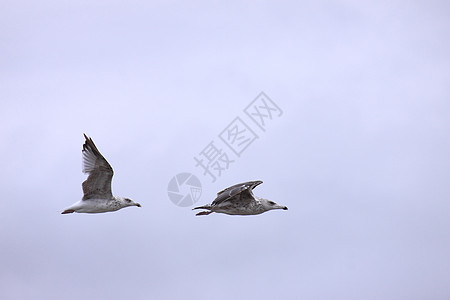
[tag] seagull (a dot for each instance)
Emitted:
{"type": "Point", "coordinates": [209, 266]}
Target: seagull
{"type": "Point", "coordinates": [97, 196]}
{"type": "Point", "coordinates": [239, 200]}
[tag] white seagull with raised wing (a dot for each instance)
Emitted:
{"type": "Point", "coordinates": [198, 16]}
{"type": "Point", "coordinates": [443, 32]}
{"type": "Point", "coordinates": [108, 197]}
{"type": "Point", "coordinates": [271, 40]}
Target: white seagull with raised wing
{"type": "Point", "coordinates": [97, 196]}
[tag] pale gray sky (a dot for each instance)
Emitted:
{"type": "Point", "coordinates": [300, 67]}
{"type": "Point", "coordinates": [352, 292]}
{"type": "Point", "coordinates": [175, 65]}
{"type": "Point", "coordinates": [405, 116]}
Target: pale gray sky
{"type": "Point", "coordinates": [360, 155]}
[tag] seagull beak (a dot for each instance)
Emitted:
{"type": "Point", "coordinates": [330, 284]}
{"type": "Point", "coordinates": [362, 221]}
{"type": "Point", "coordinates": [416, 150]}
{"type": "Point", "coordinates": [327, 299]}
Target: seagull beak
{"type": "Point", "coordinates": [280, 207]}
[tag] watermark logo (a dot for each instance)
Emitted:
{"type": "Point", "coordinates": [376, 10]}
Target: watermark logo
{"type": "Point", "coordinates": [222, 153]}
{"type": "Point", "coordinates": [238, 136]}
{"type": "Point", "coordinates": [213, 161]}
{"type": "Point", "coordinates": [184, 189]}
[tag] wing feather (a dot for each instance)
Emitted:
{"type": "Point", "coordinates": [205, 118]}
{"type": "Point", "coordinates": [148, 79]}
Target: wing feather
{"type": "Point", "coordinates": [98, 183]}
{"type": "Point", "coordinates": [239, 192]}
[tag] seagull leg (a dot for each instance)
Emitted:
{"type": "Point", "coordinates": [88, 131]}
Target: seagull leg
{"type": "Point", "coordinates": [203, 213]}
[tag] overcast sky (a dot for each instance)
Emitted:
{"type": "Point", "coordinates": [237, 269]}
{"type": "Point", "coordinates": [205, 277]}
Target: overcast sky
{"type": "Point", "coordinates": [359, 154]}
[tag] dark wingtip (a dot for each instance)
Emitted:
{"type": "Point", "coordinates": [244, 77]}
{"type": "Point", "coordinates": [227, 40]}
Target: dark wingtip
{"type": "Point", "coordinates": [86, 142]}
{"type": "Point", "coordinates": [255, 183]}
{"type": "Point", "coordinates": [90, 143]}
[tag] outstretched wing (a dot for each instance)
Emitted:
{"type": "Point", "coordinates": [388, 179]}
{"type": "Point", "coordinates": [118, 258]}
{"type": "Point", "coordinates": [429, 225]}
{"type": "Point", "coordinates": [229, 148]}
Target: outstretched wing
{"type": "Point", "coordinates": [241, 192]}
{"type": "Point", "coordinates": [98, 183]}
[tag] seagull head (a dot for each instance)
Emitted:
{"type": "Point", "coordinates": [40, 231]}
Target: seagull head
{"type": "Point", "coordinates": [269, 205]}
{"type": "Point", "coordinates": [128, 202]}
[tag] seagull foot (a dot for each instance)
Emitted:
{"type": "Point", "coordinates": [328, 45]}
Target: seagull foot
{"type": "Point", "coordinates": [203, 213]}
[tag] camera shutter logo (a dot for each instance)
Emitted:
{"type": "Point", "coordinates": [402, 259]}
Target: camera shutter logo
{"type": "Point", "coordinates": [184, 189]}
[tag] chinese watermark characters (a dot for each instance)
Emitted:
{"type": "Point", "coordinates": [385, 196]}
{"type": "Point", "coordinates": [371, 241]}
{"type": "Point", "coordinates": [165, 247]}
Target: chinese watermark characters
{"type": "Point", "coordinates": [220, 153]}
{"type": "Point", "coordinates": [237, 136]}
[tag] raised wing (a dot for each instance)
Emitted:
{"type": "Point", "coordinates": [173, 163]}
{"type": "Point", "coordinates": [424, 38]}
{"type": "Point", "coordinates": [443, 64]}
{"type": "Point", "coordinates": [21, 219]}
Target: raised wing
{"type": "Point", "coordinates": [98, 183]}
{"type": "Point", "coordinates": [238, 192]}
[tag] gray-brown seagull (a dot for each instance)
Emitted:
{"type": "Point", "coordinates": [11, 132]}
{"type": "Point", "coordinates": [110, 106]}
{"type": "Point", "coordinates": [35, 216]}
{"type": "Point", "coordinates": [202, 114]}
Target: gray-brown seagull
{"type": "Point", "coordinates": [97, 196]}
{"type": "Point", "coordinates": [239, 200]}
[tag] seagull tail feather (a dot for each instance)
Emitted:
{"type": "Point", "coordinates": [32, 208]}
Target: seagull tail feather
{"type": "Point", "coordinates": [203, 213]}
{"type": "Point", "coordinates": [203, 207]}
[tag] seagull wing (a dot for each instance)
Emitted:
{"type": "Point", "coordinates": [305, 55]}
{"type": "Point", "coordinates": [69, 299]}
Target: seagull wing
{"type": "Point", "coordinates": [238, 192]}
{"type": "Point", "coordinates": [98, 183]}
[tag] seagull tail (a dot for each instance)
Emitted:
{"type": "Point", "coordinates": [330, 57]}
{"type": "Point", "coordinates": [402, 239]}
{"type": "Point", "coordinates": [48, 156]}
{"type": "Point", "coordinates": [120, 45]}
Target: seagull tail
{"type": "Point", "coordinates": [203, 207]}
{"type": "Point", "coordinates": [203, 213]}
